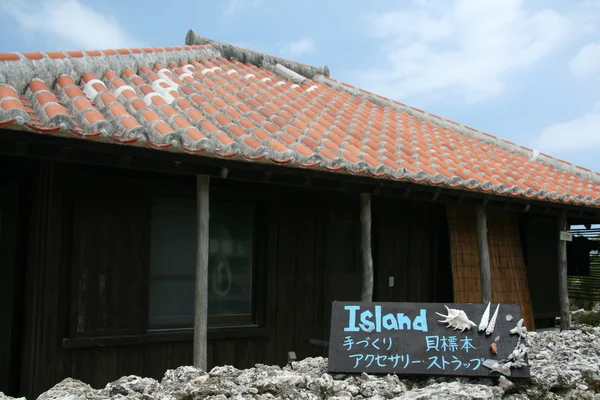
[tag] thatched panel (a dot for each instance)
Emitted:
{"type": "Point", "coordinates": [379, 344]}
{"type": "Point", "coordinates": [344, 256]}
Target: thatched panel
{"type": "Point", "coordinates": [509, 277]}
{"type": "Point", "coordinates": [464, 254]}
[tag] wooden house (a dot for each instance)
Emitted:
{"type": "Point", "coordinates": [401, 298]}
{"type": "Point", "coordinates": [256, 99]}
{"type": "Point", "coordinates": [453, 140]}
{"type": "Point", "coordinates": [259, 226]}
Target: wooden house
{"type": "Point", "coordinates": [131, 177]}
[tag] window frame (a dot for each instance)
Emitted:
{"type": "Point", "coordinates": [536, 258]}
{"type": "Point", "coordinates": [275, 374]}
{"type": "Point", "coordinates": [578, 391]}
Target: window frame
{"type": "Point", "coordinates": [171, 185]}
{"type": "Point", "coordinates": [222, 191]}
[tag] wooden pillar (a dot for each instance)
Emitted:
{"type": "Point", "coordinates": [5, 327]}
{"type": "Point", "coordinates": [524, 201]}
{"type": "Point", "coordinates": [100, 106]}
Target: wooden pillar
{"type": "Point", "coordinates": [365, 245]}
{"type": "Point", "coordinates": [201, 294]}
{"type": "Point", "coordinates": [563, 295]}
{"type": "Point", "coordinates": [484, 256]}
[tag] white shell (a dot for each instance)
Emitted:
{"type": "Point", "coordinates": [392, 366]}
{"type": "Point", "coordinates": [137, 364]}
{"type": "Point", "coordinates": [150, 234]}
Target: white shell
{"type": "Point", "coordinates": [520, 329]}
{"type": "Point", "coordinates": [517, 357]}
{"type": "Point", "coordinates": [509, 317]}
{"type": "Point", "coordinates": [497, 338]}
{"type": "Point", "coordinates": [457, 319]}
{"type": "Point", "coordinates": [492, 324]}
{"type": "Point", "coordinates": [498, 366]}
{"type": "Point", "coordinates": [485, 318]}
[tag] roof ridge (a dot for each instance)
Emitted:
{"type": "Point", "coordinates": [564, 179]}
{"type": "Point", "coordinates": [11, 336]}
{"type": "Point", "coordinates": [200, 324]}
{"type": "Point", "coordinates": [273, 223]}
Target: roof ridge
{"type": "Point", "coordinates": [18, 69]}
{"type": "Point", "coordinates": [533, 155]}
{"type": "Point", "coordinates": [255, 57]}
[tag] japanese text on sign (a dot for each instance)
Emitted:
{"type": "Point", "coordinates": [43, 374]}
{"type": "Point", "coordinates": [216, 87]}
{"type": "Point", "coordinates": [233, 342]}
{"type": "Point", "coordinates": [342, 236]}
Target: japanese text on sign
{"type": "Point", "coordinates": [408, 338]}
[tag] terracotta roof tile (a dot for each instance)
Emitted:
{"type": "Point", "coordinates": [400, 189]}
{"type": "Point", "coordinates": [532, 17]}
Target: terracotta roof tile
{"type": "Point", "coordinates": [197, 100]}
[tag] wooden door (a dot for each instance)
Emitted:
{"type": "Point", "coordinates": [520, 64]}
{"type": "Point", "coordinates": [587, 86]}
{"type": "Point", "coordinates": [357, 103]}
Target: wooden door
{"type": "Point", "coordinates": [10, 292]}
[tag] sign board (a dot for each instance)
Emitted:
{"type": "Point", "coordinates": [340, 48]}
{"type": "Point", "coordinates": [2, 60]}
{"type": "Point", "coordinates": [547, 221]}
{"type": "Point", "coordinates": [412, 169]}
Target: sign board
{"type": "Point", "coordinates": [408, 339]}
{"type": "Point", "coordinates": [567, 236]}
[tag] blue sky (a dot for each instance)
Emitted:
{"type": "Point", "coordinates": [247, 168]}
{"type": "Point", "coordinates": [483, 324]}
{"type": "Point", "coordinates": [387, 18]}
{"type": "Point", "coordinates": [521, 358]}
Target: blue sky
{"type": "Point", "coordinates": [524, 70]}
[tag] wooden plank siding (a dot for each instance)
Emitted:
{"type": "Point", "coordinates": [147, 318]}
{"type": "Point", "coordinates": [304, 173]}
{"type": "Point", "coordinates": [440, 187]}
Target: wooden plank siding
{"type": "Point", "coordinates": [11, 277]}
{"type": "Point", "coordinates": [411, 245]}
{"type": "Point", "coordinates": [88, 262]}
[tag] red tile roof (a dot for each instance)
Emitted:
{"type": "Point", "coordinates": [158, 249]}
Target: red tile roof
{"type": "Point", "coordinates": [202, 99]}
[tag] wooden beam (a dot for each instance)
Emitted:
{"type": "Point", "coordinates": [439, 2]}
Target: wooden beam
{"type": "Point", "coordinates": [201, 294]}
{"type": "Point", "coordinates": [563, 294]}
{"type": "Point", "coordinates": [484, 256]}
{"type": "Point", "coordinates": [90, 152]}
{"type": "Point", "coordinates": [365, 244]}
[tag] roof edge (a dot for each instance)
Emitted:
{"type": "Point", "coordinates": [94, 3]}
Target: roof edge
{"type": "Point", "coordinates": [533, 155]}
{"type": "Point", "coordinates": [22, 68]}
{"type": "Point", "coordinates": [254, 57]}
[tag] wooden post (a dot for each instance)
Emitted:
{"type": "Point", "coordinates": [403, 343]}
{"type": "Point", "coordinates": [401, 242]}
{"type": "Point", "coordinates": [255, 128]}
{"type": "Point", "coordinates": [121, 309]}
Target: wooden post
{"type": "Point", "coordinates": [484, 256]}
{"type": "Point", "coordinates": [201, 294]}
{"type": "Point", "coordinates": [365, 245]}
{"type": "Point", "coordinates": [563, 295]}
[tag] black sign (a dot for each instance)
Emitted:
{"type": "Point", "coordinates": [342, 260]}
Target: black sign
{"type": "Point", "coordinates": [409, 339]}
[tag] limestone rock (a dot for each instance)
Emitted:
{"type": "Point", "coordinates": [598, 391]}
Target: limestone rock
{"type": "Point", "coordinates": [453, 390]}
{"type": "Point", "coordinates": [72, 389]}
{"type": "Point", "coordinates": [6, 397]}
{"type": "Point", "coordinates": [133, 386]}
{"type": "Point", "coordinates": [563, 365]}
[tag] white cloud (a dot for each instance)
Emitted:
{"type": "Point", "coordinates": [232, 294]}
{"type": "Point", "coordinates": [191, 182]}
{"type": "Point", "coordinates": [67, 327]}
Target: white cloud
{"type": "Point", "coordinates": [581, 133]}
{"type": "Point", "coordinates": [298, 47]}
{"type": "Point", "coordinates": [587, 61]}
{"type": "Point", "coordinates": [69, 23]}
{"type": "Point", "coordinates": [465, 49]}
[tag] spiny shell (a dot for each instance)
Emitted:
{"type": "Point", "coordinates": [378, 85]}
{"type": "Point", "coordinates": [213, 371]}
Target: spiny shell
{"type": "Point", "coordinates": [457, 319]}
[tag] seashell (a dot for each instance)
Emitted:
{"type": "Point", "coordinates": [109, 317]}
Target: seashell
{"type": "Point", "coordinates": [520, 329]}
{"type": "Point", "coordinates": [485, 318]}
{"type": "Point", "coordinates": [496, 366]}
{"type": "Point", "coordinates": [497, 338]}
{"type": "Point", "coordinates": [494, 348]}
{"type": "Point", "coordinates": [457, 319]}
{"type": "Point", "coordinates": [506, 367]}
{"type": "Point", "coordinates": [492, 325]}
{"type": "Point", "coordinates": [517, 357]}
{"type": "Point", "coordinates": [509, 317]}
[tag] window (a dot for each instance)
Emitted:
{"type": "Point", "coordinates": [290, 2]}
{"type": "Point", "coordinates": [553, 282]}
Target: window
{"type": "Point", "coordinates": [173, 263]}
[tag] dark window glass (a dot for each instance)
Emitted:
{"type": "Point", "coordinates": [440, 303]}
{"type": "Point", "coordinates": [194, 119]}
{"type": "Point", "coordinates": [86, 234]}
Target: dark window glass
{"type": "Point", "coordinates": [173, 262]}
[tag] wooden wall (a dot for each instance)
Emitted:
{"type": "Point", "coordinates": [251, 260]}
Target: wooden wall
{"type": "Point", "coordinates": [11, 276]}
{"type": "Point", "coordinates": [411, 245]}
{"type": "Point", "coordinates": [87, 258]}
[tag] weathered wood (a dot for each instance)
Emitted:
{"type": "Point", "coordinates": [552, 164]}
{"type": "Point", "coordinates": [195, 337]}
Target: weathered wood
{"type": "Point", "coordinates": [319, 295]}
{"type": "Point", "coordinates": [109, 260]}
{"type": "Point", "coordinates": [143, 159]}
{"type": "Point", "coordinates": [229, 332]}
{"type": "Point", "coordinates": [365, 245]}
{"type": "Point", "coordinates": [563, 295]}
{"type": "Point", "coordinates": [286, 285]}
{"type": "Point", "coordinates": [201, 295]}
{"type": "Point", "coordinates": [305, 278]}
{"type": "Point", "coordinates": [272, 269]}
{"type": "Point", "coordinates": [383, 243]}
{"type": "Point", "coordinates": [484, 256]}
{"type": "Point", "coordinates": [225, 352]}
{"type": "Point", "coordinates": [293, 232]}
{"type": "Point", "coordinates": [414, 239]}
{"type": "Point", "coordinates": [10, 289]}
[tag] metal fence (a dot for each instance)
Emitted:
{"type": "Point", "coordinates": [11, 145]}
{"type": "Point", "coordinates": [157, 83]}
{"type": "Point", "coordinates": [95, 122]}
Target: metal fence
{"type": "Point", "coordinates": [587, 287]}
